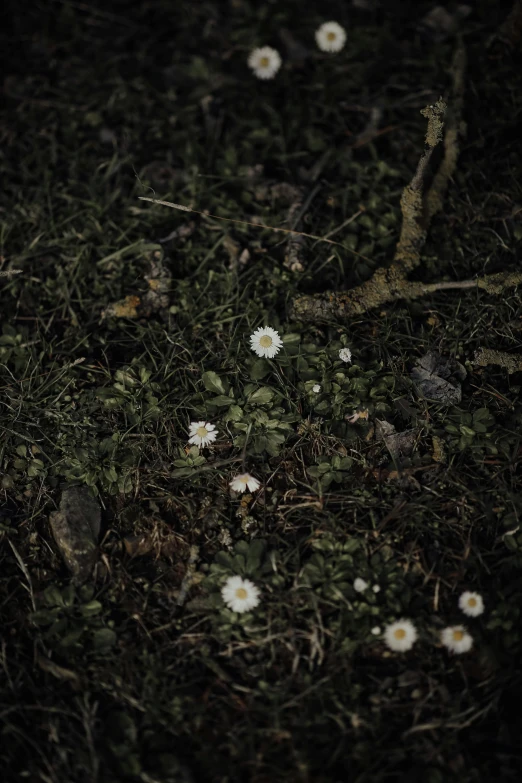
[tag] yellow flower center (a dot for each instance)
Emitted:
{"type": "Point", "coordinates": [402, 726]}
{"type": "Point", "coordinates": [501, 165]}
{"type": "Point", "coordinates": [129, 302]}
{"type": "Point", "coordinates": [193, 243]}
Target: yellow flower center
{"type": "Point", "coordinates": [400, 633]}
{"type": "Point", "coordinates": [202, 432]}
{"type": "Point", "coordinates": [265, 341]}
{"type": "Point", "coordinates": [331, 36]}
{"type": "Point", "coordinates": [472, 602]}
{"type": "Point", "coordinates": [264, 62]}
{"type": "Point", "coordinates": [241, 593]}
{"type": "Point", "coordinates": [458, 636]}
{"type": "Point", "coordinates": [244, 480]}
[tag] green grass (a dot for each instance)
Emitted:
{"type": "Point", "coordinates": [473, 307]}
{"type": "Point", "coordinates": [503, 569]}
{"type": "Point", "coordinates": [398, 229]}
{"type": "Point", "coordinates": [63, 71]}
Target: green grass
{"type": "Point", "coordinates": [118, 680]}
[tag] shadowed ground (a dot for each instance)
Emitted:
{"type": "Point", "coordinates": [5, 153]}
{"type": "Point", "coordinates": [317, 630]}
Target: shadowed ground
{"type": "Point", "coordinates": [124, 321]}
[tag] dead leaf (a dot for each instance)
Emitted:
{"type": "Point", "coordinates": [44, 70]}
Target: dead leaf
{"type": "Point", "coordinates": [440, 24]}
{"type": "Point", "coordinates": [181, 232]}
{"type": "Point", "coordinates": [439, 378]}
{"type": "Point", "coordinates": [399, 444]}
{"type": "Point", "coordinates": [232, 248]}
{"type": "Point", "coordinates": [76, 527]}
{"type": "Point", "coordinates": [137, 546]}
{"type": "Point", "coordinates": [60, 672]}
{"type": "Point", "coordinates": [125, 308]}
{"type": "Point", "coordinates": [159, 280]}
{"type": "Point", "coordinates": [439, 452]}
{"type": "Point", "coordinates": [162, 175]}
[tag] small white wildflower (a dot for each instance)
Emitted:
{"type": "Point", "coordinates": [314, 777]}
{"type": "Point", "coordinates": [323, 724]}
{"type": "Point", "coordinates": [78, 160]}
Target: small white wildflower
{"type": "Point", "coordinates": [265, 342]}
{"type": "Point", "coordinates": [265, 62]}
{"type": "Point", "coordinates": [400, 636]}
{"type": "Point", "coordinates": [376, 631]}
{"type": "Point", "coordinates": [360, 585]}
{"type": "Point", "coordinates": [316, 388]}
{"type": "Point", "coordinates": [240, 483]}
{"type": "Point", "coordinates": [330, 37]}
{"type": "Point", "coordinates": [456, 639]}
{"type": "Point", "coordinates": [345, 355]}
{"type": "Point", "coordinates": [376, 588]}
{"type": "Point", "coordinates": [239, 594]}
{"type": "Point", "coordinates": [471, 604]}
{"type": "Point", "coordinates": [202, 433]}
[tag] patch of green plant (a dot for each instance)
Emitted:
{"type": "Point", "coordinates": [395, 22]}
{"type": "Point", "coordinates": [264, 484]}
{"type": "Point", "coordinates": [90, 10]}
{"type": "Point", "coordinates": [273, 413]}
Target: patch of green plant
{"type": "Point", "coordinates": [327, 471]}
{"type": "Point", "coordinates": [472, 429]}
{"type": "Point", "coordinates": [71, 621]}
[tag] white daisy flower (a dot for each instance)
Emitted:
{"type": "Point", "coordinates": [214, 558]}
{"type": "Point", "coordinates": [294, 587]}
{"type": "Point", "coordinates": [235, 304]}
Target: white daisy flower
{"type": "Point", "coordinates": [265, 342]}
{"type": "Point", "coordinates": [265, 62]}
{"type": "Point", "coordinates": [376, 631]}
{"type": "Point", "coordinates": [239, 594]}
{"type": "Point", "coordinates": [202, 433]}
{"type": "Point", "coordinates": [240, 483]}
{"type": "Point", "coordinates": [345, 355]}
{"type": "Point", "coordinates": [376, 588]}
{"type": "Point", "coordinates": [316, 388]}
{"type": "Point", "coordinates": [471, 604]}
{"type": "Point", "coordinates": [330, 37]}
{"type": "Point", "coordinates": [456, 639]}
{"type": "Point", "coordinates": [360, 585]}
{"type": "Point", "coordinates": [400, 636]}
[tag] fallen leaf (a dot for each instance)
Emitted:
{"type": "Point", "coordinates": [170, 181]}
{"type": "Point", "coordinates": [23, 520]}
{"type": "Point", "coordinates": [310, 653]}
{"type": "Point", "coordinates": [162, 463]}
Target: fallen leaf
{"type": "Point", "coordinates": [76, 527]}
{"type": "Point", "coordinates": [439, 23]}
{"type": "Point", "coordinates": [438, 378]}
{"type": "Point", "coordinates": [399, 444]}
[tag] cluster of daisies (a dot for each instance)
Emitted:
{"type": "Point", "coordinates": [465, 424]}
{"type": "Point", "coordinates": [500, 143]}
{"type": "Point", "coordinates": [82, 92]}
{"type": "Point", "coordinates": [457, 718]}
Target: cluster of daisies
{"type": "Point", "coordinates": [242, 595]}
{"type": "Point", "coordinates": [402, 635]}
{"type": "Point", "coordinates": [265, 61]}
{"type": "Point", "coordinates": [266, 343]}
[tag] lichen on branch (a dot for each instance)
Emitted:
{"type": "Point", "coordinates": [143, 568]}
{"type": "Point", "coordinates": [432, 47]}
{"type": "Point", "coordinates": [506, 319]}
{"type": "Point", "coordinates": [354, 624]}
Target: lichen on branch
{"type": "Point", "coordinates": [418, 206]}
{"type": "Point", "coordinates": [512, 362]}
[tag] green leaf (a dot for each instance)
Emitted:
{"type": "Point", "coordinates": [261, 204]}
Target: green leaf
{"type": "Point", "coordinates": [261, 396]}
{"type": "Point", "coordinates": [144, 375]}
{"type": "Point", "coordinates": [224, 559]}
{"type": "Point", "coordinates": [43, 617]}
{"type": "Point", "coordinates": [259, 369]}
{"type": "Point", "coordinates": [91, 609]}
{"type": "Point", "coordinates": [220, 401]}
{"type": "Point", "coordinates": [103, 639]}
{"type": "Point", "coordinates": [71, 638]}
{"type": "Point", "coordinates": [235, 413]}
{"type": "Point", "coordinates": [53, 597]}
{"type": "Point", "coordinates": [322, 406]}
{"type": "Point", "coordinates": [110, 474]}
{"type": "Point", "coordinates": [274, 440]}
{"type": "Point", "coordinates": [213, 382]}
{"type": "Point", "coordinates": [182, 472]}
{"type": "Point", "coordinates": [255, 554]}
